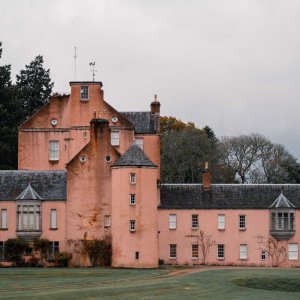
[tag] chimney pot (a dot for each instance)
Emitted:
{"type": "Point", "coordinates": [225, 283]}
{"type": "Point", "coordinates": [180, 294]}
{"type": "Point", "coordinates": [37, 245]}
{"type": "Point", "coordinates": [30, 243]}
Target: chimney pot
{"type": "Point", "coordinates": [206, 178]}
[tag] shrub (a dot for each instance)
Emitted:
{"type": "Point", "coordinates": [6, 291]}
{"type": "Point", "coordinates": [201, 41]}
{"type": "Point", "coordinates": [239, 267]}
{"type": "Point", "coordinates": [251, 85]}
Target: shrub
{"type": "Point", "coordinates": [42, 247]}
{"type": "Point", "coordinates": [62, 259]}
{"type": "Point", "coordinates": [14, 249]}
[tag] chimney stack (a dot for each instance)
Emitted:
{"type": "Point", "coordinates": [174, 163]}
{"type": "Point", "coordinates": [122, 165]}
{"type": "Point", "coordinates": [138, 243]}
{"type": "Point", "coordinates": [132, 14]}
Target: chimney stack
{"type": "Point", "coordinates": [155, 112]}
{"type": "Point", "coordinates": [206, 180]}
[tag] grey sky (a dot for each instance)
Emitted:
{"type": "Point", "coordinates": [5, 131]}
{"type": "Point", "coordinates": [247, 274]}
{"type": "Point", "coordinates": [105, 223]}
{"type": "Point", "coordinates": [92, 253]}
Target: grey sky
{"type": "Point", "coordinates": [233, 65]}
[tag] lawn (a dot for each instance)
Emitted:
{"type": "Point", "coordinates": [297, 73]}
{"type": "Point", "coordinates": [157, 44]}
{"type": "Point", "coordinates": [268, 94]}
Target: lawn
{"type": "Point", "coordinates": [166, 283]}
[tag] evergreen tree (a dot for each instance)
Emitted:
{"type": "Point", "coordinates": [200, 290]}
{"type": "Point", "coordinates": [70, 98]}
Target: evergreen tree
{"type": "Point", "coordinates": [33, 86]}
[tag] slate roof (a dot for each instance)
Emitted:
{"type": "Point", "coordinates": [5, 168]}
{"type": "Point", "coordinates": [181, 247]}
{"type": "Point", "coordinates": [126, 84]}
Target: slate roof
{"type": "Point", "coordinates": [226, 196]}
{"type": "Point", "coordinates": [143, 121]}
{"type": "Point", "coordinates": [134, 156]}
{"type": "Point", "coordinates": [49, 185]}
{"type": "Point", "coordinates": [282, 202]}
{"type": "Point", "coordinates": [29, 194]}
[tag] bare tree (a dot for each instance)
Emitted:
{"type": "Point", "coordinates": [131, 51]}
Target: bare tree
{"type": "Point", "coordinates": [205, 242]}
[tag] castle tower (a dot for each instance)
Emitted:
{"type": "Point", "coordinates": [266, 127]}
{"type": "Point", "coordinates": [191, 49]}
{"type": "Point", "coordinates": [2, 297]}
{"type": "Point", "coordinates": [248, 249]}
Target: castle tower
{"type": "Point", "coordinates": [134, 225]}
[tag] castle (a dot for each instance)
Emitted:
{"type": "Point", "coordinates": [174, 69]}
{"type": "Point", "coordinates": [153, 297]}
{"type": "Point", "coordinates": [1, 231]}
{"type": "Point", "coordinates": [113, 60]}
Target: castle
{"type": "Point", "coordinates": [87, 170]}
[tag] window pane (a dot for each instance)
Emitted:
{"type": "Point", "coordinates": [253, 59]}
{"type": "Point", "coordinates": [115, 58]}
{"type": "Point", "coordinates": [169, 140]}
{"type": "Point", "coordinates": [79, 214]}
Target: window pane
{"type": "Point", "coordinates": [221, 221]}
{"type": "Point", "coordinates": [53, 219]}
{"type": "Point", "coordinates": [293, 251]}
{"type": "Point", "coordinates": [84, 93]}
{"type": "Point", "coordinates": [3, 218]}
{"type": "Point", "coordinates": [242, 222]}
{"type": "Point", "coordinates": [106, 221]}
{"type": "Point", "coordinates": [173, 251]}
{"type": "Point", "coordinates": [243, 251]}
{"type": "Point", "coordinates": [115, 138]}
{"type": "Point", "coordinates": [195, 221]}
{"type": "Point", "coordinates": [139, 142]}
{"type": "Point", "coordinates": [53, 150]}
{"type": "Point", "coordinates": [221, 251]}
{"type": "Point", "coordinates": [195, 251]}
{"type": "Point", "coordinates": [172, 221]}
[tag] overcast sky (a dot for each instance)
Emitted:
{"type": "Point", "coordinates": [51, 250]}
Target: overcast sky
{"type": "Point", "coordinates": [233, 65]}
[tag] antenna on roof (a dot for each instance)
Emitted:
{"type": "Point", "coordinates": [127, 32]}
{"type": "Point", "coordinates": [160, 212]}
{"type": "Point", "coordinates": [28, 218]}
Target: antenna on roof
{"type": "Point", "coordinates": [75, 57]}
{"type": "Point", "coordinates": [92, 64]}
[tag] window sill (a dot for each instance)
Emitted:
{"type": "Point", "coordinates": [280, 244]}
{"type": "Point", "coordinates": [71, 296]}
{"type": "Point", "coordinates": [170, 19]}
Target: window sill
{"type": "Point", "coordinates": [195, 258]}
{"type": "Point", "coordinates": [172, 228]}
{"type": "Point", "coordinates": [53, 228]}
{"type": "Point", "coordinates": [3, 229]}
{"type": "Point", "coordinates": [221, 229]}
{"type": "Point", "coordinates": [107, 226]}
{"type": "Point", "coordinates": [195, 228]}
{"type": "Point", "coordinates": [221, 258]}
{"type": "Point", "coordinates": [242, 229]}
{"type": "Point", "coordinates": [173, 258]}
{"type": "Point", "coordinates": [243, 259]}
{"type": "Point", "coordinates": [132, 231]}
{"type": "Point", "coordinates": [84, 100]}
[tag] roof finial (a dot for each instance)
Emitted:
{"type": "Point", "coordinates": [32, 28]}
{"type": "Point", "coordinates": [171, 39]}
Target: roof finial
{"type": "Point", "coordinates": [155, 98]}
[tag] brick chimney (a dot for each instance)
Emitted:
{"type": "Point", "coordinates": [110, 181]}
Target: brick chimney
{"type": "Point", "coordinates": [155, 111]}
{"type": "Point", "coordinates": [206, 180]}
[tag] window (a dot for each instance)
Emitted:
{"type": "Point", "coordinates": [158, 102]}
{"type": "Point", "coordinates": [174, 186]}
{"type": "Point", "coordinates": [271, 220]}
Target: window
{"type": "Point", "coordinates": [53, 249]}
{"type": "Point", "coordinates": [242, 222]}
{"type": "Point", "coordinates": [132, 199]}
{"type": "Point", "coordinates": [282, 221]}
{"type": "Point", "coordinates": [28, 217]}
{"type": "Point", "coordinates": [132, 178]}
{"type": "Point", "coordinates": [53, 219]}
{"type": "Point", "coordinates": [172, 221]}
{"type": "Point", "coordinates": [53, 150]}
{"type": "Point", "coordinates": [137, 255]}
{"type": "Point", "coordinates": [195, 253]}
{"type": "Point", "coordinates": [132, 227]}
{"type": "Point", "coordinates": [263, 255]}
{"type": "Point", "coordinates": [195, 222]}
{"type": "Point", "coordinates": [221, 251]}
{"type": "Point", "coordinates": [221, 222]}
{"type": "Point", "coordinates": [84, 93]}
{"type": "Point", "coordinates": [243, 251]}
{"type": "Point", "coordinates": [115, 138]}
{"type": "Point", "coordinates": [3, 218]}
{"type": "Point", "coordinates": [173, 251]}
{"type": "Point", "coordinates": [293, 251]}
{"type": "Point", "coordinates": [2, 258]}
{"type": "Point", "coordinates": [107, 221]}
{"type": "Point", "coordinates": [140, 142]}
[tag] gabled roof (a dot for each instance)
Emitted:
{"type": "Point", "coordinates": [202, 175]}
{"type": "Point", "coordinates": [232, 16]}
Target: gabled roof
{"type": "Point", "coordinates": [143, 121]}
{"type": "Point", "coordinates": [226, 196]}
{"type": "Point", "coordinates": [29, 194]}
{"type": "Point", "coordinates": [134, 156]}
{"type": "Point", "coordinates": [282, 202]}
{"type": "Point", "coordinates": [48, 185]}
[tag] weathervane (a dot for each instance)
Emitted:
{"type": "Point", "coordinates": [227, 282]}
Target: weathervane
{"type": "Point", "coordinates": [92, 64]}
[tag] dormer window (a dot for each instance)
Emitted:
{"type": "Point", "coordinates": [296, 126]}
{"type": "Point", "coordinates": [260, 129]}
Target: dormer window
{"type": "Point", "coordinates": [282, 218]}
{"type": "Point", "coordinates": [84, 93]}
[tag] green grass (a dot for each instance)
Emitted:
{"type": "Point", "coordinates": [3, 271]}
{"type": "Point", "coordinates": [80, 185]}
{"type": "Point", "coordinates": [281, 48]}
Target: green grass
{"type": "Point", "coordinates": [106, 283]}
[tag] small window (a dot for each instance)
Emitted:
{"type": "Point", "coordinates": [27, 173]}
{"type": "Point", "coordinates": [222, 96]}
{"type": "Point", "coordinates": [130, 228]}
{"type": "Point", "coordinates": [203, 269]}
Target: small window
{"type": "Point", "coordinates": [195, 221]}
{"type": "Point", "coordinates": [3, 218]}
{"type": "Point", "coordinates": [2, 258]}
{"type": "Point", "coordinates": [53, 150]}
{"type": "Point", "coordinates": [221, 251]}
{"type": "Point", "coordinates": [115, 138]}
{"type": "Point", "coordinates": [172, 221]}
{"type": "Point", "coordinates": [242, 222]}
{"type": "Point", "coordinates": [293, 251]}
{"type": "Point", "coordinates": [221, 222]}
{"type": "Point", "coordinates": [263, 255]}
{"type": "Point", "coordinates": [132, 199]}
{"type": "Point", "coordinates": [195, 252]}
{"type": "Point", "coordinates": [132, 178]}
{"type": "Point", "coordinates": [84, 93]}
{"type": "Point", "coordinates": [53, 219]}
{"type": "Point", "coordinates": [243, 251]}
{"type": "Point", "coordinates": [140, 142]}
{"type": "Point", "coordinates": [132, 227]}
{"type": "Point", "coordinates": [173, 251]}
{"type": "Point", "coordinates": [85, 135]}
{"type": "Point", "coordinates": [137, 255]}
{"type": "Point", "coordinates": [107, 221]}
{"type": "Point", "coordinates": [53, 249]}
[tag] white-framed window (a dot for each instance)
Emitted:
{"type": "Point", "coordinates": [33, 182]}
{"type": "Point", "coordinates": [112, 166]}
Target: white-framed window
{"type": "Point", "coordinates": [242, 222]}
{"type": "Point", "coordinates": [115, 138]}
{"type": "Point", "coordinates": [293, 250]}
{"type": "Point", "coordinates": [132, 199]}
{"type": "Point", "coordinates": [263, 255]}
{"type": "Point", "coordinates": [195, 221]}
{"type": "Point", "coordinates": [221, 251]}
{"type": "Point", "coordinates": [29, 217]}
{"type": "Point", "coordinates": [172, 221]}
{"type": "Point", "coordinates": [139, 142]}
{"type": "Point", "coordinates": [173, 251]}
{"type": "Point", "coordinates": [132, 178]}
{"type": "Point", "coordinates": [53, 249]}
{"type": "Point", "coordinates": [54, 150]}
{"type": "Point", "coordinates": [84, 93]}
{"type": "Point", "coordinates": [195, 251]}
{"type": "Point", "coordinates": [3, 218]}
{"type": "Point", "coordinates": [132, 226]}
{"type": "Point", "coordinates": [2, 257]}
{"type": "Point", "coordinates": [243, 251]}
{"type": "Point", "coordinates": [221, 222]}
{"type": "Point", "coordinates": [107, 221]}
{"type": "Point", "coordinates": [53, 219]}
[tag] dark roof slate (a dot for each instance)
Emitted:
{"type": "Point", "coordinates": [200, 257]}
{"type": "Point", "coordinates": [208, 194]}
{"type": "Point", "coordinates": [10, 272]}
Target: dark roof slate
{"type": "Point", "coordinates": [29, 194]}
{"type": "Point", "coordinates": [49, 185]}
{"type": "Point", "coordinates": [226, 196]}
{"type": "Point", "coordinates": [282, 202]}
{"type": "Point", "coordinates": [143, 121]}
{"type": "Point", "coordinates": [134, 156]}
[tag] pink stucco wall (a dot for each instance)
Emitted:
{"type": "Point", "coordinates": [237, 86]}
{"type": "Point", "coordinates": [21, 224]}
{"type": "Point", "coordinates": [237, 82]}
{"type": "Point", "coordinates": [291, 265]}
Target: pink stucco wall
{"type": "Point", "coordinates": [257, 224]}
